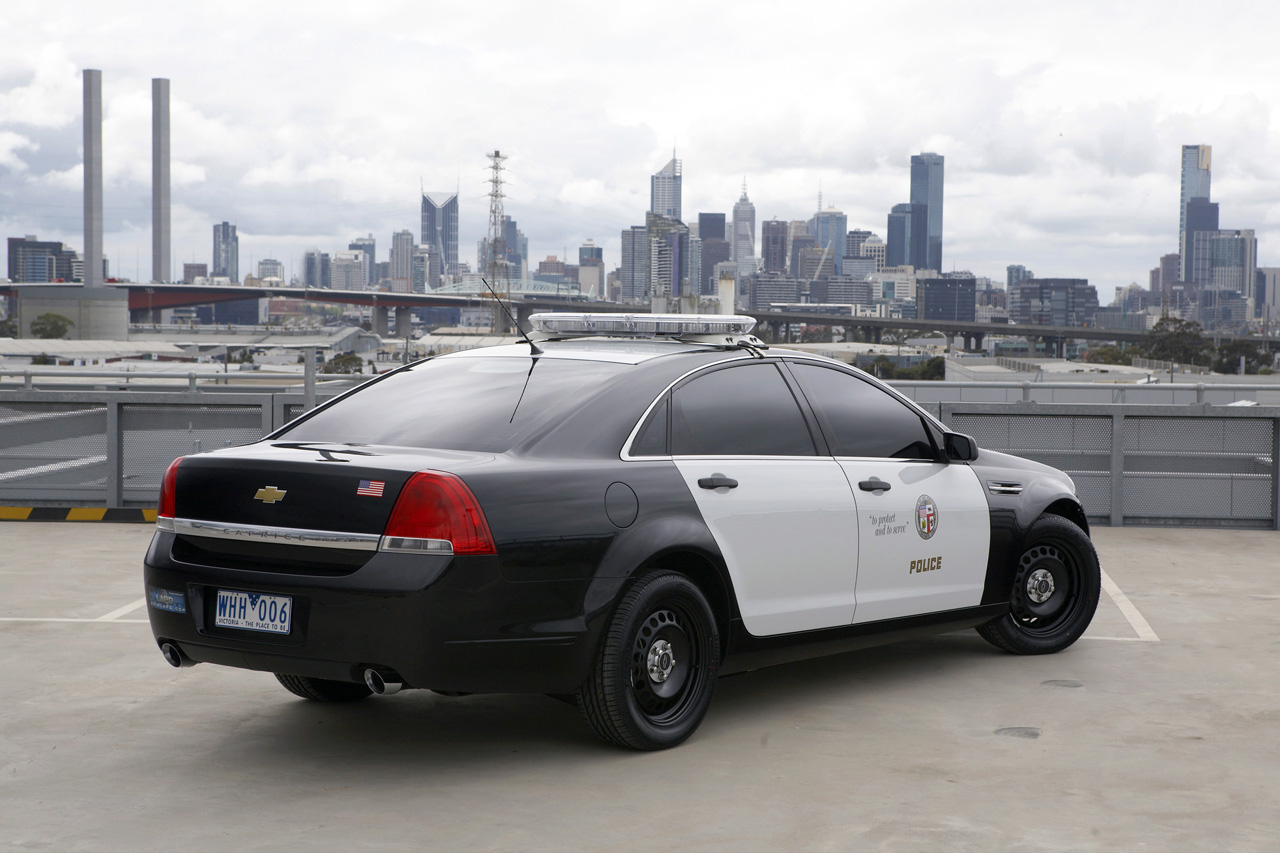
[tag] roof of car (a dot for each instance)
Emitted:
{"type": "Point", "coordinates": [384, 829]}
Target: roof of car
{"type": "Point", "coordinates": [618, 350]}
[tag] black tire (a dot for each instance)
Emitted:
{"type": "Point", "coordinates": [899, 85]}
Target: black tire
{"type": "Point", "coordinates": [652, 683]}
{"type": "Point", "coordinates": [1056, 584]}
{"type": "Point", "coordinates": [322, 689]}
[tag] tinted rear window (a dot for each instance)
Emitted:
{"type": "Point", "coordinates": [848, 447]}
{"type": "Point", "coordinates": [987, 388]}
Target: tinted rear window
{"type": "Point", "coordinates": [483, 404]}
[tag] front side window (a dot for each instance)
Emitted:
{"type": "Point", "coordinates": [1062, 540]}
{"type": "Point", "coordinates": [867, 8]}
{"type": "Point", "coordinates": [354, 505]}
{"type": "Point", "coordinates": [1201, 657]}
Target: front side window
{"type": "Point", "coordinates": [745, 410]}
{"type": "Point", "coordinates": [861, 419]}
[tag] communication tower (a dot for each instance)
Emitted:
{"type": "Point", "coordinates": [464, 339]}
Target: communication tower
{"type": "Point", "coordinates": [497, 270]}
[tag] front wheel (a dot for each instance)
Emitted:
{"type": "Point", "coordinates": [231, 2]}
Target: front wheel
{"type": "Point", "coordinates": [652, 683]}
{"type": "Point", "coordinates": [1055, 591]}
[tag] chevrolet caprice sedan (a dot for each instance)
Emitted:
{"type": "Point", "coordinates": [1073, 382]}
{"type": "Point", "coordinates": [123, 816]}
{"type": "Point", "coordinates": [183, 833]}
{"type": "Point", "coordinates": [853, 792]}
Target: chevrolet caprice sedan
{"type": "Point", "coordinates": [617, 511]}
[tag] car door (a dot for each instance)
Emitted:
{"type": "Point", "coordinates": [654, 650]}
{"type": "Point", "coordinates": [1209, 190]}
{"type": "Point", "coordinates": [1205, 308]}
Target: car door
{"type": "Point", "coordinates": [783, 515]}
{"type": "Point", "coordinates": [925, 528]}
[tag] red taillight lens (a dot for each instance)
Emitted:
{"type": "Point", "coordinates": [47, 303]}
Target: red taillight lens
{"type": "Point", "coordinates": [167, 488]}
{"type": "Point", "coordinates": [438, 506]}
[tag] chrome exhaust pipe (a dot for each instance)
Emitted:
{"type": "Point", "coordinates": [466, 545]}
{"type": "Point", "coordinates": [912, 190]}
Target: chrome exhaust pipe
{"type": "Point", "coordinates": [379, 685]}
{"type": "Point", "coordinates": [174, 656]}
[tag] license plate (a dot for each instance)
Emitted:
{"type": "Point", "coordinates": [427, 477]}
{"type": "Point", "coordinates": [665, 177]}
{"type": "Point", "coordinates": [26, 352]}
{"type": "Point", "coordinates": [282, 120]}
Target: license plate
{"type": "Point", "coordinates": [251, 611]}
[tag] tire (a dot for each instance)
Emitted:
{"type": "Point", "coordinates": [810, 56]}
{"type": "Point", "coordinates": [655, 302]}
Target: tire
{"type": "Point", "coordinates": [1056, 584]}
{"type": "Point", "coordinates": [322, 689]}
{"type": "Point", "coordinates": [652, 682]}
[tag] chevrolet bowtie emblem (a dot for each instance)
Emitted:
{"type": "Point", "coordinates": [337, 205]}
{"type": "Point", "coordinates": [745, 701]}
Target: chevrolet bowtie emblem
{"type": "Point", "coordinates": [269, 495]}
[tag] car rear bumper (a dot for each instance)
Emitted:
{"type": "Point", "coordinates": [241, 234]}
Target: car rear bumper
{"type": "Point", "coordinates": [440, 622]}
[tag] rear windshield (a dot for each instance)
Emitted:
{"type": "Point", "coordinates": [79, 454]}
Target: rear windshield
{"type": "Point", "coordinates": [483, 404]}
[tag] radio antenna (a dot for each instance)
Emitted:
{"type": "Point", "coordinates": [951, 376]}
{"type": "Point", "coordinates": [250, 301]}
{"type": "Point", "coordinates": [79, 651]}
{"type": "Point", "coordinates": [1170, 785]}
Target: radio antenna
{"type": "Point", "coordinates": [533, 348]}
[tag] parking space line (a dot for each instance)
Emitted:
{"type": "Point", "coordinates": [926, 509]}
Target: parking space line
{"type": "Point", "coordinates": [120, 611]}
{"type": "Point", "coordinates": [1140, 625]}
{"type": "Point", "coordinates": [90, 621]}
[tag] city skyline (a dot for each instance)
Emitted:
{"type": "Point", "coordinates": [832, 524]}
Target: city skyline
{"type": "Point", "coordinates": [1061, 156]}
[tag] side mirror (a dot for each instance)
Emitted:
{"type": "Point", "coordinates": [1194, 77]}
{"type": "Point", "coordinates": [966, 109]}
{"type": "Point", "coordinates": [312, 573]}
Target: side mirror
{"type": "Point", "coordinates": [960, 447]}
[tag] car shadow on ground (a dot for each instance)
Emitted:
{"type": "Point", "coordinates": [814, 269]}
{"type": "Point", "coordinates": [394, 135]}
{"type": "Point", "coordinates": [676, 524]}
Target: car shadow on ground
{"type": "Point", "coordinates": [425, 730]}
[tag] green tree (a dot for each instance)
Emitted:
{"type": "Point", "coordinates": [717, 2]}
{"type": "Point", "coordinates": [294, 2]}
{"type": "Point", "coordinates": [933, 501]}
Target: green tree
{"type": "Point", "coordinates": [51, 326]}
{"type": "Point", "coordinates": [9, 327]}
{"type": "Point", "coordinates": [1230, 353]}
{"type": "Point", "coordinates": [1108, 355]}
{"type": "Point", "coordinates": [1179, 341]}
{"type": "Point", "coordinates": [348, 362]}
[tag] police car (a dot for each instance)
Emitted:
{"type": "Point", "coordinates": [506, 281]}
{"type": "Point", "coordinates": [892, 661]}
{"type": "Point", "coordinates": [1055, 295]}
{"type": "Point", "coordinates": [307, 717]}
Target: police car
{"type": "Point", "coordinates": [617, 511]}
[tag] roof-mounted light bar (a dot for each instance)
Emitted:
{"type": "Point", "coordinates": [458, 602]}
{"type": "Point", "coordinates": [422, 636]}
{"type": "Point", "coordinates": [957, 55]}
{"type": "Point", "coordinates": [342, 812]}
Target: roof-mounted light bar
{"type": "Point", "coordinates": [643, 325]}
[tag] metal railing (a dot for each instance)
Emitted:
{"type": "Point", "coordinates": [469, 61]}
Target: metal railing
{"type": "Point", "coordinates": [1134, 462]}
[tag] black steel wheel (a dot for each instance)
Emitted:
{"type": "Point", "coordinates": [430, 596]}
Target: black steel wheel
{"type": "Point", "coordinates": [652, 683]}
{"type": "Point", "coordinates": [322, 689]}
{"type": "Point", "coordinates": [1055, 592]}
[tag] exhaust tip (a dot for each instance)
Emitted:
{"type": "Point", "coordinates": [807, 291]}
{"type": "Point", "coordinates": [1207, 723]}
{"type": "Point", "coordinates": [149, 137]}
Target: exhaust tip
{"type": "Point", "coordinates": [379, 685]}
{"type": "Point", "coordinates": [174, 656]}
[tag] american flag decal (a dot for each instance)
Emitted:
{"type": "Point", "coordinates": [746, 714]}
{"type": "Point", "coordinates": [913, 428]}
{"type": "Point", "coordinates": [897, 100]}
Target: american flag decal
{"type": "Point", "coordinates": [371, 488]}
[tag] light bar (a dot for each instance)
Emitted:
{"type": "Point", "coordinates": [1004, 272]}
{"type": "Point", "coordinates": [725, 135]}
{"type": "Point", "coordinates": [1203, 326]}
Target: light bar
{"type": "Point", "coordinates": [674, 325]}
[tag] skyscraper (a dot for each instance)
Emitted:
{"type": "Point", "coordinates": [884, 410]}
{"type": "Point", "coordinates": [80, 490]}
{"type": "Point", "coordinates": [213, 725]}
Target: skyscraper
{"type": "Point", "coordinates": [773, 245]}
{"type": "Point", "coordinates": [907, 232]}
{"type": "Point", "coordinates": [270, 268]}
{"type": "Point", "coordinates": [830, 228]}
{"type": "Point", "coordinates": [1200, 215]}
{"type": "Point", "coordinates": [711, 226]}
{"type": "Point", "coordinates": [226, 251]}
{"type": "Point", "coordinates": [664, 191]}
{"type": "Point", "coordinates": [635, 264]}
{"type": "Point", "coordinates": [402, 260]}
{"type": "Point", "coordinates": [36, 260]}
{"type": "Point", "coordinates": [1196, 163]}
{"type": "Point", "coordinates": [315, 269]}
{"type": "Point", "coordinates": [347, 271]}
{"type": "Point", "coordinates": [743, 241]}
{"type": "Point", "coordinates": [926, 188]}
{"type": "Point", "coordinates": [440, 228]}
{"type": "Point", "coordinates": [369, 248]}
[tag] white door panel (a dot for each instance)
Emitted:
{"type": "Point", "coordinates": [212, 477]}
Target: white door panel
{"type": "Point", "coordinates": [789, 535]}
{"type": "Point", "coordinates": [904, 568]}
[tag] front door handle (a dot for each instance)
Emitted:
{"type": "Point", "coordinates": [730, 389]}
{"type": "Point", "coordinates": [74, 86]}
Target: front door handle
{"type": "Point", "coordinates": [718, 481]}
{"type": "Point", "coordinates": [874, 485]}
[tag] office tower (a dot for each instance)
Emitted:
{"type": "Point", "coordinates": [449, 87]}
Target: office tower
{"type": "Point", "coordinates": [1225, 260]}
{"type": "Point", "coordinates": [440, 229]}
{"type": "Point", "coordinates": [1016, 274]}
{"type": "Point", "coordinates": [160, 210]}
{"type": "Point", "coordinates": [799, 244]}
{"type": "Point", "coordinates": [907, 240]}
{"type": "Point", "coordinates": [1053, 302]}
{"type": "Point", "coordinates": [926, 189]}
{"type": "Point", "coordinates": [635, 264]}
{"type": "Point", "coordinates": [516, 246]}
{"type": "Point", "coordinates": [191, 272]}
{"type": "Point", "coordinates": [743, 241]}
{"type": "Point", "coordinates": [711, 226]}
{"type": "Point", "coordinates": [773, 245]}
{"type": "Point", "coordinates": [668, 256]}
{"type": "Point", "coordinates": [347, 271]}
{"type": "Point", "coordinates": [270, 268]}
{"type": "Point", "coordinates": [226, 251]}
{"type": "Point", "coordinates": [830, 229]}
{"type": "Point", "coordinates": [93, 263]}
{"type": "Point", "coordinates": [591, 275]}
{"type": "Point", "coordinates": [1200, 216]}
{"type": "Point", "coordinates": [853, 241]}
{"type": "Point", "coordinates": [664, 191]}
{"type": "Point", "coordinates": [947, 299]}
{"type": "Point", "coordinates": [315, 269]}
{"type": "Point", "coordinates": [402, 261]}
{"type": "Point", "coordinates": [1196, 163]}
{"type": "Point", "coordinates": [426, 270]}
{"type": "Point", "coordinates": [715, 251]}
{"type": "Point", "coordinates": [369, 248]}
{"type": "Point", "coordinates": [32, 260]}
{"type": "Point", "coordinates": [874, 248]}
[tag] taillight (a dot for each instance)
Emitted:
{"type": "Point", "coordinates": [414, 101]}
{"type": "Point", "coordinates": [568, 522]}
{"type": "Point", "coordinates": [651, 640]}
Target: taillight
{"type": "Point", "coordinates": [168, 499]}
{"type": "Point", "coordinates": [436, 512]}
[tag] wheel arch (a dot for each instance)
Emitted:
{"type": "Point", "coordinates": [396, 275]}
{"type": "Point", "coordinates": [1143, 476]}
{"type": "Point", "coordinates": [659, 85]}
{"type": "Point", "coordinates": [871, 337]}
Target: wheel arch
{"type": "Point", "coordinates": [1071, 510]}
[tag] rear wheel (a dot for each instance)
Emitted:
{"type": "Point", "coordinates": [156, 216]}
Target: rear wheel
{"type": "Point", "coordinates": [322, 689]}
{"type": "Point", "coordinates": [652, 684]}
{"type": "Point", "coordinates": [1055, 591]}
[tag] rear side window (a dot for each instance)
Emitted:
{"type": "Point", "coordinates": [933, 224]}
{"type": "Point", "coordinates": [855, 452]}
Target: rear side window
{"type": "Point", "coordinates": [861, 419]}
{"type": "Point", "coordinates": [482, 404]}
{"type": "Point", "coordinates": [746, 410]}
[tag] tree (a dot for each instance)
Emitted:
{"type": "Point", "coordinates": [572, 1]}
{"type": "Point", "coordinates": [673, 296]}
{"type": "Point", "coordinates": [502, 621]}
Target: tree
{"type": "Point", "coordinates": [9, 327]}
{"type": "Point", "coordinates": [1108, 355]}
{"type": "Point", "coordinates": [51, 326]}
{"type": "Point", "coordinates": [1179, 341]}
{"type": "Point", "coordinates": [1230, 353]}
{"type": "Point", "coordinates": [348, 362]}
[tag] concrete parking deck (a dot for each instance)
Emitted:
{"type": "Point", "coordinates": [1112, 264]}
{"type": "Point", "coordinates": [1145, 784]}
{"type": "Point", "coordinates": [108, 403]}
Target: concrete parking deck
{"type": "Point", "coordinates": [1158, 731]}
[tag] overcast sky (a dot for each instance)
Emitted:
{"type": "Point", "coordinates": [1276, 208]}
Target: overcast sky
{"type": "Point", "coordinates": [308, 124]}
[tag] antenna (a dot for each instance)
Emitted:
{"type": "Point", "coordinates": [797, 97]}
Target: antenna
{"type": "Point", "coordinates": [528, 340]}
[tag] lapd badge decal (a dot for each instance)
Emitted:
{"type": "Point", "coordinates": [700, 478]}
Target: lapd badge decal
{"type": "Point", "coordinates": [926, 517]}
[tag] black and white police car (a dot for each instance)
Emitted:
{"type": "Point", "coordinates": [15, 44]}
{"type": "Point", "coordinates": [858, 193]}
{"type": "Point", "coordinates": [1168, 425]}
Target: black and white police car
{"type": "Point", "coordinates": [619, 510]}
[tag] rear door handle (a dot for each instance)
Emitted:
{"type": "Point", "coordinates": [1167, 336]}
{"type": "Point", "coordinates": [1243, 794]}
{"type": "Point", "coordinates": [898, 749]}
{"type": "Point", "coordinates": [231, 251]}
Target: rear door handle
{"type": "Point", "coordinates": [718, 481]}
{"type": "Point", "coordinates": [874, 485]}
